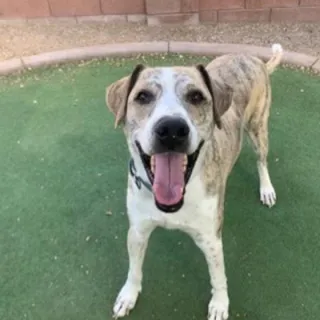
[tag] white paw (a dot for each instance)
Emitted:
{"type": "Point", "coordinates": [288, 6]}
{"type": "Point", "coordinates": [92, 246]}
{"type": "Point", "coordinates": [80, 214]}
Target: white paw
{"type": "Point", "coordinates": [268, 196]}
{"type": "Point", "coordinates": [219, 307]}
{"type": "Point", "coordinates": [126, 300]}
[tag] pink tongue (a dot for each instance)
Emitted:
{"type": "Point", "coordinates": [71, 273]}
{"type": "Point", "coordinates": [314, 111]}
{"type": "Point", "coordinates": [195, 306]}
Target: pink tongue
{"type": "Point", "coordinates": [168, 178]}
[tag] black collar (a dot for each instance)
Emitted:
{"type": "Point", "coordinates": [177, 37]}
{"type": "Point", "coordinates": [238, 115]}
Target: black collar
{"type": "Point", "coordinates": [138, 181]}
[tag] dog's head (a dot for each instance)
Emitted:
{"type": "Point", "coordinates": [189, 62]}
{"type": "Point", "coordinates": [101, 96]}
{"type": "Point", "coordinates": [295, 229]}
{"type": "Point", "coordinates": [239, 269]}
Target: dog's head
{"type": "Point", "coordinates": [168, 114]}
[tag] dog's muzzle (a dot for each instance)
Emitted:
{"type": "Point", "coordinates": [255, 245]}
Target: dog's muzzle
{"type": "Point", "coordinates": [170, 165]}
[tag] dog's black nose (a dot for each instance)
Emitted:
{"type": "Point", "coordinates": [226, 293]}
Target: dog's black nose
{"type": "Point", "coordinates": [172, 133]}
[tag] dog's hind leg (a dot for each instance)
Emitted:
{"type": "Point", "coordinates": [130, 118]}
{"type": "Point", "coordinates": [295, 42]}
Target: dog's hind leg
{"type": "Point", "coordinates": [137, 242]}
{"type": "Point", "coordinates": [257, 129]}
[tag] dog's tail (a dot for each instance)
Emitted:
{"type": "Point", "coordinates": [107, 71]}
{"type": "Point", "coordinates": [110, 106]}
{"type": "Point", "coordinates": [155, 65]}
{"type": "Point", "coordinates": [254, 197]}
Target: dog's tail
{"type": "Point", "coordinates": [277, 53]}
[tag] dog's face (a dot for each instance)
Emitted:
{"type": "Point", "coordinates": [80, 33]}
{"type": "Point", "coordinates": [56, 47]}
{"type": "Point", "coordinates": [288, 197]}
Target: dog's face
{"type": "Point", "coordinates": [168, 114]}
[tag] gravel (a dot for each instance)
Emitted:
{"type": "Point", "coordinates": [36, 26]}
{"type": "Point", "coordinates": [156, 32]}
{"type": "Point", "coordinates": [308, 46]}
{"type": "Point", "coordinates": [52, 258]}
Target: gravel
{"type": "Point", "coordinates": [36, 37]}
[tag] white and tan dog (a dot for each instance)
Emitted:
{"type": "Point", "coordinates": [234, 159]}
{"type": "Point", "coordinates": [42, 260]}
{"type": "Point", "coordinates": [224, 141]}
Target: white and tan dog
{"type": "Point", "coordinates": [184, 128]}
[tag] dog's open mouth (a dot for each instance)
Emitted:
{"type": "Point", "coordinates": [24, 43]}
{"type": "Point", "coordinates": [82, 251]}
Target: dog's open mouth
{"type": "Point", "coordinates": [169, 174]}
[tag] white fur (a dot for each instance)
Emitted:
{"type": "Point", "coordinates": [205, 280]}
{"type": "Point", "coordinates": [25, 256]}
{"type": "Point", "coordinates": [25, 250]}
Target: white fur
{"type": "Point", "coordinates": [267, 192]}
{"type": "Point", "coordinates": [277, 48]}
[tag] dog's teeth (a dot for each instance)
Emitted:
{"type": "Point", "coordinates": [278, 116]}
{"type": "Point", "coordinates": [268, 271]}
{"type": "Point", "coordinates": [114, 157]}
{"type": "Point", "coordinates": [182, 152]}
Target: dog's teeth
{"type": "Point", "coordinates": [152, 164]}
{"type": "Point", "coordinates": [152, 160]}
{"type": "Point", "coordinates": [185, 160]}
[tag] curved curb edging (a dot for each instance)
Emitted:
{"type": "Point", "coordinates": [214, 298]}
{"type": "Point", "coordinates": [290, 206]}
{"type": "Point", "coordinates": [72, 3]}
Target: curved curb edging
{"type": "Point", "coordinates": [135, 48]}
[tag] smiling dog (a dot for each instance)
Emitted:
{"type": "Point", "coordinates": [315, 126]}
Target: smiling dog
{"type": "Point", "coordinates": [184, 128]}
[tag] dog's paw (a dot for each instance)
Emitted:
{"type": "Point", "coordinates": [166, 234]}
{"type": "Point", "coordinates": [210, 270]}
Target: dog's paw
{"type": "Point", "coordinates": [268, 196]}
{"type": "Point", "coordinates": [126, 300]}
{"type": "Point", "coordinates": [219, 307]}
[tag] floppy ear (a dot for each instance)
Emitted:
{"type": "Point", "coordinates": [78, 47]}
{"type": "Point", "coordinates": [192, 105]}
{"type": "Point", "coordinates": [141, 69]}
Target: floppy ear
{"type": "Point", "coordinates": [118, 92]}
{"type": "Point", "coordinates": [221, 94]}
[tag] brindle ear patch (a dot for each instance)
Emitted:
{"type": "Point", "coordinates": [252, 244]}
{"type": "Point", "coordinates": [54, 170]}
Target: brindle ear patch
{"type": "Point", "coordinates": [221, 95]}
{"type": "Point", "coordinates": [117, 94]}
{"type": "Point", "coordinates": [133, 80]}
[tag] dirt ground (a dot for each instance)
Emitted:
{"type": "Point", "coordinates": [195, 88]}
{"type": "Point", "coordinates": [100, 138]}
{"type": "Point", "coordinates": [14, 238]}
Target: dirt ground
{"type": "Point", "coordinates": [32, 38]}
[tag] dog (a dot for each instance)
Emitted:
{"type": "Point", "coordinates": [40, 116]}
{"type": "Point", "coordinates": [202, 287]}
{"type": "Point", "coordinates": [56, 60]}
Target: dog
{"type": "Point", "coordinates": [184, 128]}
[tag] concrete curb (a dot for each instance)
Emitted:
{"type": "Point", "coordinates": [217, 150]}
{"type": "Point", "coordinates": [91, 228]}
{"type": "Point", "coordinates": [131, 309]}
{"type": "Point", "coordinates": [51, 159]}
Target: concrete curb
{"type": "Point", "coordinates": [217, 49]}
{"type": "Point", "coordinates": [10, 66]}
{"type": "Point", "coordinates": [129, 49]}
{"type": "Point", "coordinates": [87, 53]}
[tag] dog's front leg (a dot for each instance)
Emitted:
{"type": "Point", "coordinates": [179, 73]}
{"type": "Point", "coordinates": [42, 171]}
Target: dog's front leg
{"type": "Point", "coordinates": [137, 242]}
{"type": "Point", "coordinates": [209, 239]}
{"type": "Point", "coordinates": [211, 246]}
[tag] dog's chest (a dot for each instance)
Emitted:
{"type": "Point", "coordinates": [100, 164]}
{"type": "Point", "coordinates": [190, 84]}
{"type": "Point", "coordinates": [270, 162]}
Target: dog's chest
{"type": "Point", "coordinates": [198, 211]}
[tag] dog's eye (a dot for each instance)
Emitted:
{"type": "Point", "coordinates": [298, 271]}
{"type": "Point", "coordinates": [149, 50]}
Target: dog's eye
{"type": "Point", "coordinates": [144, 97]}
{"type": "Point", "coordinates": [195, 97]}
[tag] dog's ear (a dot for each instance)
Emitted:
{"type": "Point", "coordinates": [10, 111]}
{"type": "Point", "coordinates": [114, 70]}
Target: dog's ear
{"type": "Point", "coordinates": [117, 94]}
{"type": "Point", "coordinates": [221, 94]}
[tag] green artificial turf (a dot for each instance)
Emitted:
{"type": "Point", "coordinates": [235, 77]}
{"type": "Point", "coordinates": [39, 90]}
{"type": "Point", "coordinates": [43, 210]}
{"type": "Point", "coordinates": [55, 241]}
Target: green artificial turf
{"type": "Point", "coordinates": [62, 208]}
